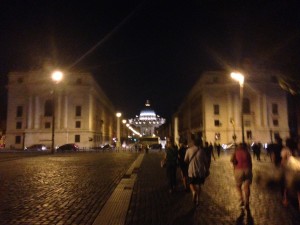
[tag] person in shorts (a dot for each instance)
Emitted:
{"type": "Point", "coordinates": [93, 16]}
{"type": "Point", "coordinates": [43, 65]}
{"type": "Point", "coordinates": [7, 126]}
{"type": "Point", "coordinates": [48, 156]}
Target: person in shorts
{"type": "Point", "coordinates": [242, 162]}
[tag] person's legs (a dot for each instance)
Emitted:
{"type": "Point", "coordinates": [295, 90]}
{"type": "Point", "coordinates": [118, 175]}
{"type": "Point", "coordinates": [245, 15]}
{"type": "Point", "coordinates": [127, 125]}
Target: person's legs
{"type": "Point", "coordinates": [173, 178]}
{"type": "Point", "coordinates": [198, 191]}
{"type": "Point", "coordinates": [193, 190]}
{"type": "Point", "coordinates": [247, 192]}
{"type": "Point", "coordinates": [169, 177]}
{"type": "Point", "coordinates": [184, 180]}
{"type": "Point", "coordinates": [240, 194]}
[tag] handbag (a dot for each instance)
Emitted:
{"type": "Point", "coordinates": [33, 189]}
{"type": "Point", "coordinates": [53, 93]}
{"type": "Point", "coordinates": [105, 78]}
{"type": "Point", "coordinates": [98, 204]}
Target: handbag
{"type": "Point", "coordinates": [163, 163]}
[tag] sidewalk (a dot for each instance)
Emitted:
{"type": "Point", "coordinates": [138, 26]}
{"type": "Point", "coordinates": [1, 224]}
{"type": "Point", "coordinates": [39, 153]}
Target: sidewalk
{"type": "Point", "coordinates": [151, 202]}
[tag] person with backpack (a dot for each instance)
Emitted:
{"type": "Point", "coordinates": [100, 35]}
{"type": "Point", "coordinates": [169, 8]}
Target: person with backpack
{"type": "Point", "coordinates": [198, 168]}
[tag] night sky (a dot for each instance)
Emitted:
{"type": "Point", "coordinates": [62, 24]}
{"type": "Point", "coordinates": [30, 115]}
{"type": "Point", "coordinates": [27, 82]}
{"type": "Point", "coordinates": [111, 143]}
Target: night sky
{"type": "Point", "coordinates": [153, 49]}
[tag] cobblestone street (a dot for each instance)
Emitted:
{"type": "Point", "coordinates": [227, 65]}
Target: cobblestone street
{"type": "Point", "coordinates": [73, 188]}
{"type": "Point", "coordinates": [59, 189]}
{"type": "Point", "coordinates": [152, 204]}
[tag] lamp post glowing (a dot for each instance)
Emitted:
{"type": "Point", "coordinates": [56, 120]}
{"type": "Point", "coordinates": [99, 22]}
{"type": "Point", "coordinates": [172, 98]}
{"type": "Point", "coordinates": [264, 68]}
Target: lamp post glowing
{"type": "Point", "coordinates": [118, 114]}
{"type": "Point", "coordinates": [56, 77]}
{"type": "Point", "coordinates": [240, 78]}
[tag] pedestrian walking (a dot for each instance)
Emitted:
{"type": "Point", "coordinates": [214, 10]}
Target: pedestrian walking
{"type": "Point", "coordinates": [171, 156]}
{"type": "Point", "coordinates": [290, 166]}
{"type": "Point", "coordinates": [218, 147]}
{"type": "Point", "coordinates": [242, 164]}
{"type": "Point", "coordinates": [256, 148]}
{"type": "Point", "coordinates": [198, 168]}
{"type": "Point", "coordinates": [183, 165]}
{"type": "Point", "coordinates": [208, 149]}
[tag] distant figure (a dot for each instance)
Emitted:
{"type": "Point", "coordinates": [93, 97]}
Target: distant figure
{"type": "Point", "coordinates": [171, 157]}
{"type": "Point", "coordinates": [242, 163]}
{"type": "Point", "coordinates": [198, 168]}
{"type": "Point", "coordinates": [183, 165]}
{"type": "Point", "coordinates": [208, 149]}
{"type": "Point", "coordinates": [275, 150]}
{"type": "Point", "coordinates": [218, 147]}
{"type": "Point", "coordinates": [256, 147]}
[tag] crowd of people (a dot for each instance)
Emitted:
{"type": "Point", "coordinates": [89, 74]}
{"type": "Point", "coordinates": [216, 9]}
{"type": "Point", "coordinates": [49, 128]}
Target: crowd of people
{"type": "Point", "coordinates": [194, 161]}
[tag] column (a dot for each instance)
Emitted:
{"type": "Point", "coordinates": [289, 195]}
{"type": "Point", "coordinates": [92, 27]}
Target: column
{"type": "Point", "coordinates": [37, 113]}
{"type": "Point", "coordinates": [29, 113]}
{"type": "Point", "coordinates": [58, 115]}
{"type": "Point", "coordinates": [65, 114]}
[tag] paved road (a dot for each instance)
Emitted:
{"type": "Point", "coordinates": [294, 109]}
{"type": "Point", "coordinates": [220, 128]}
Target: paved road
{"type": "Point", "coordinates": [152, 204]}
{"type": "Point", "coordinates": [72, 189]}
{"type": "Point", "coordinates": [58, 189]}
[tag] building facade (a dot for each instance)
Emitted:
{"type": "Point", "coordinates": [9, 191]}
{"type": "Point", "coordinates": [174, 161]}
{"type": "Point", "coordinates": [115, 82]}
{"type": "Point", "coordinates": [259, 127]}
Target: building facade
{"type": "Point", "coordinates": [212, 109]}
{"type": "Point", "coordinates": [83, 114]}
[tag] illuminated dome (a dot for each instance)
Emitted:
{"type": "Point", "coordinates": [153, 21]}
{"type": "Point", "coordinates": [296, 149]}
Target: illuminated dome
{"type": "Point", "coordinates": [148, 120]}
{"type": "Point", "coordinates": [147, 113]}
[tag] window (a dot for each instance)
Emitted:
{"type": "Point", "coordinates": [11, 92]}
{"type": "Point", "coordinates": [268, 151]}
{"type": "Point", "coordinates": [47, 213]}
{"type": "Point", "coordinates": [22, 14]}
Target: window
{"type": "Point", "coordinates": [19, 111]}
{"type": "Point", "coordinates": [78, 124]}
{"type": "Point", "coordinates": [77, 138]}
{"type": "Point", "coordinates": [217, 136]}
{"type": "Point", "coordinates": [48, 108]}
{"type": "Point", "coordinates": [275, 123]}
{"type": "Point", "coordinates": [47, 125]}
{"type": "Point", "coordinates": [78, 111]}
{"type": "Point", "coordinates": [216, 109]}
{"type": "Point", "coordinates": [246, 106]}
{"type": "Point", "coordinates": [217, 123]}
{"type": "Point", "coordinates": [247, 123]}
{"type": "Point", "coordinates": [249, 134]}
{"type": "Point", "coordinates": [19, 125]}
{"type": "Point", "coordinates": [275, 109]}
{"type": "Point", "coordinates": [18, 140]}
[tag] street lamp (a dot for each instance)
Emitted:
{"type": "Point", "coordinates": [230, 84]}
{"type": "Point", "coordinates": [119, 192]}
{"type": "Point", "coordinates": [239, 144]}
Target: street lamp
{"type": "Point", "coordinates": [118, 114]}
{"type": "Point", "coordinates": [56, 77]}
{"type": "Point", "coordinates": [240, 78]}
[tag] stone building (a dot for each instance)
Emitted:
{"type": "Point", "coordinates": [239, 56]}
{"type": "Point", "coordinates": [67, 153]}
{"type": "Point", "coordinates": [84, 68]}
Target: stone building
{"type": "Point", "coordinates": [83, 113]}
{"type": "Point", "coordinates": [212, 109]}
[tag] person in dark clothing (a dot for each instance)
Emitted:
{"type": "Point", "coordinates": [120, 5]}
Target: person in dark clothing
{"type": "Point", "coordinates": [276, 151]}
{"type": "Point", "coordinates": [208, 149]}
{"type": "Point", "coordinates": [171, 157]}
{"type": "Point", "coordinates": [218, 147]}
{"type": "Point", "coordinates": [256, 150]}
{"type": "Point", "coordinates": [183, 165]}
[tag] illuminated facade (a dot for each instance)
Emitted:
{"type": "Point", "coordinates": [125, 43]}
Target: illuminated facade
{"type": "Point", "coordinates": [212, 109]}
{"type": "Point", "coordinates": [147, 121]}
{"type": "Point", "coordinates": [83, 113]}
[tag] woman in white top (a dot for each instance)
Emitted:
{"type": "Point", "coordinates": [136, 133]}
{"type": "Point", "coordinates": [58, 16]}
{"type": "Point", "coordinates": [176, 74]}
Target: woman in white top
{"type": "Point", "coordinates": [198, 168]}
